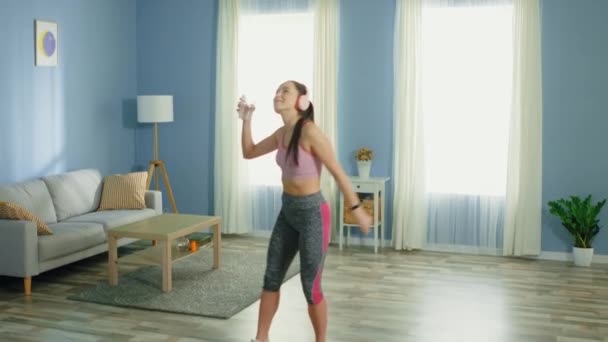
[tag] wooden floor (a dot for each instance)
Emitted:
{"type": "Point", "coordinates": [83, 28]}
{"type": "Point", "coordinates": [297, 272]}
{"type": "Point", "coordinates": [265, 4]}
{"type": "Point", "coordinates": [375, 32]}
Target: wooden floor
{"type": "Point", "coordinates": [392, 296]}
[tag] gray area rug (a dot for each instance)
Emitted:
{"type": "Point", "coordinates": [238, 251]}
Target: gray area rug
{"type": "Point", "coordinates": [198, 289]}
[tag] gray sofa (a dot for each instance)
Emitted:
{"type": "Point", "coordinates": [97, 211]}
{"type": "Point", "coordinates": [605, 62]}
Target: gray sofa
{"type": "Point", "coordinates": [67, 203]}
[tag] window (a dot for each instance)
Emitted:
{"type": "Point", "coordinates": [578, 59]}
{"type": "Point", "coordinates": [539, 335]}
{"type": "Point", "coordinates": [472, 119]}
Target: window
{"type": "Point", "coordinates": [273, 48]}
{"type": "Point", "coordinates": [466, 98]}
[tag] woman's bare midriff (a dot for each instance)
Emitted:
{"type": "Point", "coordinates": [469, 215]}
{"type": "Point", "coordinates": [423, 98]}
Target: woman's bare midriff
{"type": "Point", "coordinates": [301, 187]}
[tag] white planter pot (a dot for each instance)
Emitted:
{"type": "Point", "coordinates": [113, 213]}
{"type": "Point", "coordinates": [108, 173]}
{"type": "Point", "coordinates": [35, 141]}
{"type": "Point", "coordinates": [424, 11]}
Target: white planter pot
{"type": "Point", "coordinates": [582, 256]}
{"type": "Point", "coordinates": [364, 168]}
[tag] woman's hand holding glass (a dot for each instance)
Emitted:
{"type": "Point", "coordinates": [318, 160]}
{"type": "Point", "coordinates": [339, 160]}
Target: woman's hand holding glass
{"type": "Point", "coordinates": [245, 109]}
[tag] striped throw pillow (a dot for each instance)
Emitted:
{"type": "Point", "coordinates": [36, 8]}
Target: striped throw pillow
{"type": "Point", "coordinates": [124, 191]}
{"type": "Point", "coordinates": [12, 211]}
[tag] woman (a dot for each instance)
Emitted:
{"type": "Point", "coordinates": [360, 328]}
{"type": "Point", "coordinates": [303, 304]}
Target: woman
{"type": "Point", "coordinates": [304, 221]}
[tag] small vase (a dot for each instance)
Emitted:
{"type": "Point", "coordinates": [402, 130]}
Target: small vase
{"type": "Point", "coordinates": [182, 243]}
{"type": "Point", "coordinates": [364, 168]}
{"type": "Point", "coordinates": [582, 256]}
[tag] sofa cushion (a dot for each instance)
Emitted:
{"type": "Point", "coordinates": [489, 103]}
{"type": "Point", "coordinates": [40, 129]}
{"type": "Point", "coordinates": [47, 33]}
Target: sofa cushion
{"type": "Point", "coordinates": [124, 191]}
{"type": "Point", "coordinates": [74, 193]}
{"type": "Point", "coordinates": [33, 196]}
{"type": "Point", "coordinates": [114, 218]}
{"type": "Point", "coordinates": [12, 211]}
{"type": "Point", "coordinates": [68, 238]}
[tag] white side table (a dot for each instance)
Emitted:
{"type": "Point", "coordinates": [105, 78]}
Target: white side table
{"type": "Point", "coordinates": [377, 187]}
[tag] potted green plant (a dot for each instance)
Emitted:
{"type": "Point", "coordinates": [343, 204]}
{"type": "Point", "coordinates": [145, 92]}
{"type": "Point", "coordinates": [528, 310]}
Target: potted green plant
{"type": "Point", "coordinates": [579, 217]}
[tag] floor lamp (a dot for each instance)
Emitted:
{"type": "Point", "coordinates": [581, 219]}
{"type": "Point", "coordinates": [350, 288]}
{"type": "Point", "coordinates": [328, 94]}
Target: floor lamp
{"type": "Point", "coordinates": [155, 109]}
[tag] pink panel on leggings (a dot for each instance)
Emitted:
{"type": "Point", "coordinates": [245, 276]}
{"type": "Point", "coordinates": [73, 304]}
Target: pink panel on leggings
{"type": "Point", "coordinates": [317, 296]}
{"type": "Point", "coordinates": [326, 215]}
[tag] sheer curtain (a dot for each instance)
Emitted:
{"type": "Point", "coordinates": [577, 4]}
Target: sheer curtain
{"type": "Point", "coordinates": [325, 83]}
{"type": "Point", "coordinates": [409, 203]}
{"type": "Point", "coordinates": [230, 171]}
{"type": "Point", "coordinates": [524, 176]}
{"type": "Point", "coordinates": [454, 115]}
{"type": "Point", "coordinates": [275, 45]}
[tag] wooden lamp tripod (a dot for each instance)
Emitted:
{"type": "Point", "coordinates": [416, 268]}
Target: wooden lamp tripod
{"type": "Point", "coordinates": [155, 109]}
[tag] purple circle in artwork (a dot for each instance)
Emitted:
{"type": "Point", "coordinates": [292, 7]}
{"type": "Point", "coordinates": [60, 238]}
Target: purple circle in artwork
{"type": "Point", "coordinates": [48, 44]}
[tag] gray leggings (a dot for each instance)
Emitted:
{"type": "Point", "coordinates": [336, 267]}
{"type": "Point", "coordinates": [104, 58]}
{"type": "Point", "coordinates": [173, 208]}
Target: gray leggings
{"type": "Point", "coordinates": [303, 225]}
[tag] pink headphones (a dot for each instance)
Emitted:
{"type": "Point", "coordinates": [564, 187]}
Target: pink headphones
{"type": "Point", "coordinates": [303, 102]}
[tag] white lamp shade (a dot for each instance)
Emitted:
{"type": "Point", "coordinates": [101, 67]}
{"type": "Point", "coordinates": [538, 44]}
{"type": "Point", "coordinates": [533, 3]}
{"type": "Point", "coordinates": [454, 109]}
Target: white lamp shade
{"type": "Point", "coordinates": [155, 108]}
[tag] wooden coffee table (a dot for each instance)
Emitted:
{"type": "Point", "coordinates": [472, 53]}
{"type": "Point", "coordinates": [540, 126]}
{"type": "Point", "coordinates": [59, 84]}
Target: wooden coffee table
{"type": "Point", "coordinates": [164, 228]}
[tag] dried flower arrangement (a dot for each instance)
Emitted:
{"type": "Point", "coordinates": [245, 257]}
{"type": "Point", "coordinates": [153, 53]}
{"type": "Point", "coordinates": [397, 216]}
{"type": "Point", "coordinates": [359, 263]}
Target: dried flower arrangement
{"type": "Point", "coordinates": [364, 154]}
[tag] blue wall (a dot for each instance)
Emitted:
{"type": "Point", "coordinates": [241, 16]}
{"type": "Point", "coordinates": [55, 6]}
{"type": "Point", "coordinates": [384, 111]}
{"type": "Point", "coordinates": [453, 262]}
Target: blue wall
{"type": "Point", "coordinates": [176, 56]}
{"type": "Point", "coordinates": [575, 122]}
{"type": "Point", "coordinates": [80, 113]}
{"type": "Point", "coordinates": [365, 88]}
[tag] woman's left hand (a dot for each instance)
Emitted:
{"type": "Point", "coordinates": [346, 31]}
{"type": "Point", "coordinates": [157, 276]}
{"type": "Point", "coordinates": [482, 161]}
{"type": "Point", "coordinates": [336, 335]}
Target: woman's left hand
{"type": "Point", "coordinates": [364, 219]}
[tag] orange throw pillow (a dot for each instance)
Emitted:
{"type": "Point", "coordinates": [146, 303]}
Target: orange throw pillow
{"type": "Point", "coordinates": [124, 191]}
{"type": "Point", "coordinates": [12, 211]}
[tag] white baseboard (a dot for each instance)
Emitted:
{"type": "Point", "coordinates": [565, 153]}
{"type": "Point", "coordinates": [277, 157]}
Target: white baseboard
{"type": "Point", "coordinates": [369, 242]}
{"type": "Point", "coordinates": [463, 249]}
{"type": "Point", "coordinates": [564, 256]}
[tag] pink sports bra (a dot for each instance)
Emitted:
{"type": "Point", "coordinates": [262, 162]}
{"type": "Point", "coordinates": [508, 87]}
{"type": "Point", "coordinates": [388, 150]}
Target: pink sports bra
{"type": "Point", "coordinates": [308, 166]}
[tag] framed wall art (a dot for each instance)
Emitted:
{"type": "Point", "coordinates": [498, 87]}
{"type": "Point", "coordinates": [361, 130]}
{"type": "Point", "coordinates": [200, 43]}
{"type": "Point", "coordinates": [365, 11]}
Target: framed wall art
{"type": "Point", "coordinates": [47, 43]}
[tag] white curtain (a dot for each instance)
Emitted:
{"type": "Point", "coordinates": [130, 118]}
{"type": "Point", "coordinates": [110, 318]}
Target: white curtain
{"type": "Point", "coordinates": [524, 176]}
{"type": "Point", "coordinates": [230, 172]}
{"type": "Point", "coordinates": [325, 73]}
{"type": "Point", "coordinates": [409, 204]}
{"type": "Point", "coordinates": [454, 137]}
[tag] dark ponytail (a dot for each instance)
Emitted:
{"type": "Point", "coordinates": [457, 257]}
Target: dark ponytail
{"type": "Point", "coordinates": [308, 114]}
